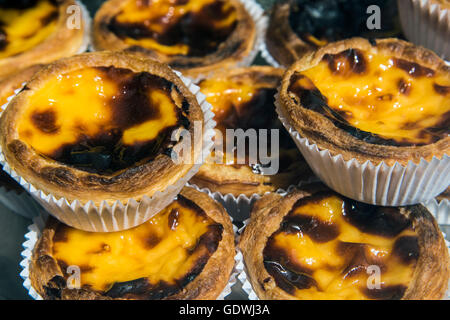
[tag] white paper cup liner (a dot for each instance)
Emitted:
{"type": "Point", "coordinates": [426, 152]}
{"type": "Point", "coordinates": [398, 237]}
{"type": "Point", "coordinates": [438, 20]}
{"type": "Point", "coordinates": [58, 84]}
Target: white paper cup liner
{"type": "Point", "coordinates": [117, 216]}
{"type": "Point", "coordinates": [247, 286]}
{"type": "Point", "coordinates": [239, 207]}
{"type": "Point", "coordinates": [34, 232]}
{"type": "Point", "coordinates": [268, 57]}
{"type": "Point", "coordinates": [426, 23]}
{"type": "Point", "coordinates": [87, 28]}
{"type": "Point", "coordinates": [380, 184]}
{"type": "Point", "coordinates": [261, 22]}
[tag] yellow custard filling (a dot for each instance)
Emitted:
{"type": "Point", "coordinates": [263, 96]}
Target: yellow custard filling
{"type": "Point", "coordinates": [324, 251]}
{"type": "Point", "coordinates": [165, 253]}
{"type": "Point", "coordinates": [104, 110]}
{"type": "Point", "coordinates": [23, 29]}
{"type": "Point", "coordinates": [392, 98]}
{"type": "Point", "coordinates": [172, 27]}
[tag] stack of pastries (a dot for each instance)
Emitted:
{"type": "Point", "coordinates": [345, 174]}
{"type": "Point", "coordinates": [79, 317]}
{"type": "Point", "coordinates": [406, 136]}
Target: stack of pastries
{"type": "Point", "coordinates": [95, 138]}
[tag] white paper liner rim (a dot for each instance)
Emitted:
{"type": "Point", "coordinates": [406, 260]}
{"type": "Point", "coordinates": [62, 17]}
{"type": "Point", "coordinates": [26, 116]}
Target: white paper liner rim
{"type": "Point", "coordinates": [93, 216]}
{"type": "Point", "coordinates": [33, 234]}
{"type": "Point", "coordinates": [379, 184]}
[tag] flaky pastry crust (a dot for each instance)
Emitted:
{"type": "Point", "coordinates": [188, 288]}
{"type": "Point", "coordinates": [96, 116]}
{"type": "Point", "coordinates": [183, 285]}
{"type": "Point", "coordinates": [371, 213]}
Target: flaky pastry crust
{"type": "Point", "coordinates": [228, 54]}
{"type": "Point", "coordinates": [321, 131]}
{"type": "Point", "coordinates": [45, 271]}
{"type": "Point", "coordinates": [62, 180]}
{"type": "Point", "coordinates": [431, 274]}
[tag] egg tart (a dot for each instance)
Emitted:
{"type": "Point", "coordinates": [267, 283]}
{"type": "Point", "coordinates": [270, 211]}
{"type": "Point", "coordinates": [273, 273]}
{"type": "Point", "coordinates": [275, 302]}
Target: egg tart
{"type": "Point", "coordinates": [98, 126]}
{"type": "Point", "coordinates": [316, 244]}
{"type": "Point", "coordinates": [195, 37]}
{"type": "Point", "coordinates": [184, 252]}
{"type": "Point", "coordinates": [380, 101]}
{"type": "Point", "coordinates": [243, 98]}
{"type": "Point", "coordinates": [39, 31]}
{"type": "Point", "coordinates": [297, 27]}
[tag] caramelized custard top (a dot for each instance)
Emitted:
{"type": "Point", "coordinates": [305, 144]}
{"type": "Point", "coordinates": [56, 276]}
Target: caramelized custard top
{"type": "Point", "coordinates": [24, 27]}
{"type": "Point", "coordinates": [328, 247]}
{"type": "Point", "coordinates": [152, 261]}
{"type": "Point", "coordinates": [102, 119]}
{"type": "Point", "coordinates": [377, 98]}
{"type": "Point", "coordinates": [172, 27]}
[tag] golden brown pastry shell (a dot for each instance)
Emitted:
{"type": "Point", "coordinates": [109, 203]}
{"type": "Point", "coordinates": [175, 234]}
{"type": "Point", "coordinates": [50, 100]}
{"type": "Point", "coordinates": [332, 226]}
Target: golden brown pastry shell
{"type": "Point", "coordinates": [230, 53]}
{"type": "Point", "coordinates": [322, 132]}
{"type": "Point", "coordinates": [282, 42]}
{"type": "Point", "coordinates": [240, 179]}
{"type": "Point", "coordinates": [207, 285]}
{"type": "Point", "coordinates": [63, 42]}
{"type": "Point", "coordinates": [431, 274]}
{"type": "Point", "coordinates": [62, 180]}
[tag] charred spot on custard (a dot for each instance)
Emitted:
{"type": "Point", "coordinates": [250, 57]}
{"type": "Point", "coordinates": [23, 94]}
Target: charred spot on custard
{"type": "Point", "coordinates": [382, 221]}
{"type": "Point", "coordinates": [175, 31]}
{"type": "Point", "coordinates": [318, 22]}
{"type": "Point", "coordinates": [442, 90]}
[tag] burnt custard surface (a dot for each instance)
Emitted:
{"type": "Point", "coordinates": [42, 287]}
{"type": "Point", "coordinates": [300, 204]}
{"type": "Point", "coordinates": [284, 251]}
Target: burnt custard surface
{"type": "Point", "coordinates": [25, 24]}
{"type": "Point", "coordinates": [378, 98]}
{"type": "Point", "coordinates": [102, 119]}
{"type": "Point", "coordinates": [326, 243]}
{"type": "Point", "coordinates": [173, 27]}
{"type": "Point", "coordinates": [152, 261]}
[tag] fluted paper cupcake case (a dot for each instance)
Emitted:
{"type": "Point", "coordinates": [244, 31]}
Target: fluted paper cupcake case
{"type": "Point", "coordinates": [426, 23]}
{"type": "Point", "coordinates": [34, 231]}
{"type": "Point", "coordinates": [251, 294]}
{"type": "Point", "coordinates": [267, 56]}
{"type": "Point", "coordinates": [87, 28]}
{"type": "Point", "coordinates": [257, 13]}
{"type": "Point", "coordinates": [120, 216]}
{"type": "Point", "coordinates": [239, 207]}
{"type": "Point", "coordinates": [381, 184]}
